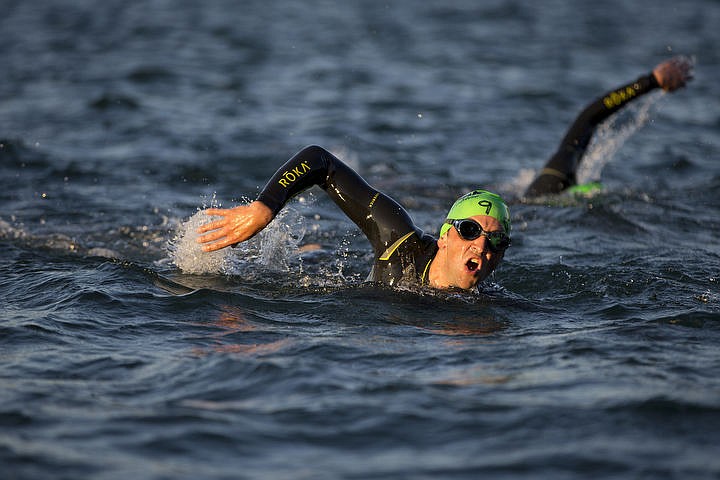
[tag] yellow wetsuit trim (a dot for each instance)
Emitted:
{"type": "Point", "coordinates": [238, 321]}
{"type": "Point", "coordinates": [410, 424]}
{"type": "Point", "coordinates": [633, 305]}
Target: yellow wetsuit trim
{"type": "Point", "coordinates": [553, 172]}
{"type": "Point", "coordinates": [388, 253]}
{"type": "Point", "coordinates": [427, 267]}
{"type": "Point", "coordinates": [370, 205]}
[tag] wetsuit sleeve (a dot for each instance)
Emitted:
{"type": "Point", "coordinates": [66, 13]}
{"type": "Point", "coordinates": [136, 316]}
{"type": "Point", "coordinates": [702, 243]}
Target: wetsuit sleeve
{"type": "Point", "coordinates": [559, 172]}
{"type": "Point", "coordinates": [380, 218]}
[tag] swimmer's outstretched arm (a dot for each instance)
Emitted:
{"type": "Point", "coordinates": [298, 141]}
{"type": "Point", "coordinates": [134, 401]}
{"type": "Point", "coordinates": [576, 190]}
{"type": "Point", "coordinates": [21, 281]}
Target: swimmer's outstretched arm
{"type": "Point", "coordinates": [559, 172]}
{"type": "Point", "coordinates": [379, 217]}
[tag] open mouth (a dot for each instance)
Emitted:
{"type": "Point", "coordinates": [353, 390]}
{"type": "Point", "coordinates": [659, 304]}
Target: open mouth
{"type": "Point", "coordinates": [472, 265]}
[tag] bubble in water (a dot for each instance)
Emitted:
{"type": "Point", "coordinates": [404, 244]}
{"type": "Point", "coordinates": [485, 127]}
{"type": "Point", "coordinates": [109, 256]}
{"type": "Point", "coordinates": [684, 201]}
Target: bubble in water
{"type": "Point", "coordinates": [187, 254]}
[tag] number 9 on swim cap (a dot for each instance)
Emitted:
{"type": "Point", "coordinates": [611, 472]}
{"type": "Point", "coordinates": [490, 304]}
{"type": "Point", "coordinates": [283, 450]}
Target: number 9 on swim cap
{"type": "Point", "coordinates": [479, 202]}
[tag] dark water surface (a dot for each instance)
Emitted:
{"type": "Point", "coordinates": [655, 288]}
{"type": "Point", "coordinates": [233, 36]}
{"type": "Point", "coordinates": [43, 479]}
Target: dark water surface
{"type": "Point", "coordinates": [593, 353]}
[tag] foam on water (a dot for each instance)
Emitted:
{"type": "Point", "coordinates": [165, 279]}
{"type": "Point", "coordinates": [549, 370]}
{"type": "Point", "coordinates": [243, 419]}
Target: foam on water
{"type": "Point", "coordinates": [186, 252]}
{"type": "Point", "coordinates": [274, 248]}
{"type": "Point", "coordinates": [54, 241]}
{"type": "Point", "coordinates": [608, 139]}
{"type": "Point", "coordinates": [612, 135]}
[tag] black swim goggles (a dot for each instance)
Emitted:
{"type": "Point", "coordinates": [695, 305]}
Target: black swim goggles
{"type": "Point", "coordinates": [469, 229]}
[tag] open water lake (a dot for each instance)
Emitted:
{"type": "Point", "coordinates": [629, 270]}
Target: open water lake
{"type": "Point", "coordinates": [593, 352]}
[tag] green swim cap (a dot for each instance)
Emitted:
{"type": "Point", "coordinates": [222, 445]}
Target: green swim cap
{"type": "Point", "coordinates": [479, 202]}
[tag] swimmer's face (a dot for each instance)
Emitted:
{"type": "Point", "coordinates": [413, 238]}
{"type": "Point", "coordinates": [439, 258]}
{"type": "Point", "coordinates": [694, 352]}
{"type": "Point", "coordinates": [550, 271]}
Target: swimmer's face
{"type": "Point", "coordinates": [464, 263]}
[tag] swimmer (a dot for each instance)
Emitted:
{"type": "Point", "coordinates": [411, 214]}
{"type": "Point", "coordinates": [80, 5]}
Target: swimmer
{"type": "Point", "coordinates": [476, 231]}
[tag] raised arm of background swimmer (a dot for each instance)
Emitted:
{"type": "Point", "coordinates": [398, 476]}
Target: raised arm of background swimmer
{"type": "Point", "coordinates": [380, 218]}
{"type": "Point", "coordinates": [559, 171]}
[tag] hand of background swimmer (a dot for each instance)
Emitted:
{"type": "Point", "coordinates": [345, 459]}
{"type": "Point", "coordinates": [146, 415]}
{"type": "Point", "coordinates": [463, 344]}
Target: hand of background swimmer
{"type": "Point", "coordinates": [237, 225]}
{"type": "Point", "coordinates": [674, 73]}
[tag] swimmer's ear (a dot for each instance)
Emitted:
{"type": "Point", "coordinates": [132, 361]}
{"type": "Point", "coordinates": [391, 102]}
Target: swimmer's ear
{"type": "Point", "coordinates": [442, 242]}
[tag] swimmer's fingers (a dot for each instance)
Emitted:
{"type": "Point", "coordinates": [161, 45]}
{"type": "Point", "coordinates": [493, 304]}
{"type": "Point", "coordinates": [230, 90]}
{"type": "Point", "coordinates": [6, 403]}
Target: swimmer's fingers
{"type": "Point", "coordinates": [208, 227]}
{"type": "Point", "coordinates": [211, 247]}
{"type": "Point", "coordinates": [237, 225]}
{"type": "Point", "coordinates": [674, 73]}
{"type": "Point", "coordinates": [222, 238]}
{"type": "Point", "coordinates": [218, 212]}
{"type": "Point", "coordinates": [214, 235]}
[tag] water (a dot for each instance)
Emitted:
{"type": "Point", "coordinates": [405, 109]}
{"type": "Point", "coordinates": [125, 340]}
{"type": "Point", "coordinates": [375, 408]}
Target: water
{"type": "Point", "coordinates": [592, 353]}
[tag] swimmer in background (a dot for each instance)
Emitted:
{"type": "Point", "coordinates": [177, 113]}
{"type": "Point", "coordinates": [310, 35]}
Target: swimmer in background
{"type": "Point", "coordinates": [476, 231]}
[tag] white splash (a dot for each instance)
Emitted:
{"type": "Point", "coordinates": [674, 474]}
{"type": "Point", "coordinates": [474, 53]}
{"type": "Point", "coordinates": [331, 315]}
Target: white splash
{"type": "Point", "coordinates": [279, 242]}
{"type": "Point", "coordinates": [520, 183]}
{"type": "Point", "coordinates": [187, 254]}
{"type": "Point", "coordinates": [607, 140]}
{"type": "Point", "coordinates": [273, 248]}
{"type": "Point", "coordinates": [611, 136]}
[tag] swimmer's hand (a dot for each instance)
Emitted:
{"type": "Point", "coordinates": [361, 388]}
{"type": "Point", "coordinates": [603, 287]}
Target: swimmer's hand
{"type": "Point", "coordinates": [236, 225]}
{"type": "Point", "coordinates": [674, 73]}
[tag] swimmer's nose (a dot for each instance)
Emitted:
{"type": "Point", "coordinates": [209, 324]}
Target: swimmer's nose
{"type": "Point", "coordinates": [481, 245]}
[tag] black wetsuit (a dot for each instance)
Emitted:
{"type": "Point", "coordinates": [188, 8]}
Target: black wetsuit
{"type": "Point", "coordinates": [559, 172]}
{"type": "Point", "coordinates": [403, 253]}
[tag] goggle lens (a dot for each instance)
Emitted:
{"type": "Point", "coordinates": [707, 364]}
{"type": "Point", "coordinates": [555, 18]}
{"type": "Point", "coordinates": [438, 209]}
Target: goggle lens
{"type": "Point", "coordinates": [470, 230]}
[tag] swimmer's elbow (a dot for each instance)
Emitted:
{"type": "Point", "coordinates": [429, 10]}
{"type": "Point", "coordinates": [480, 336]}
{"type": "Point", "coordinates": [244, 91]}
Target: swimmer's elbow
{"type": "Point", "coordinates": [315, 150]}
